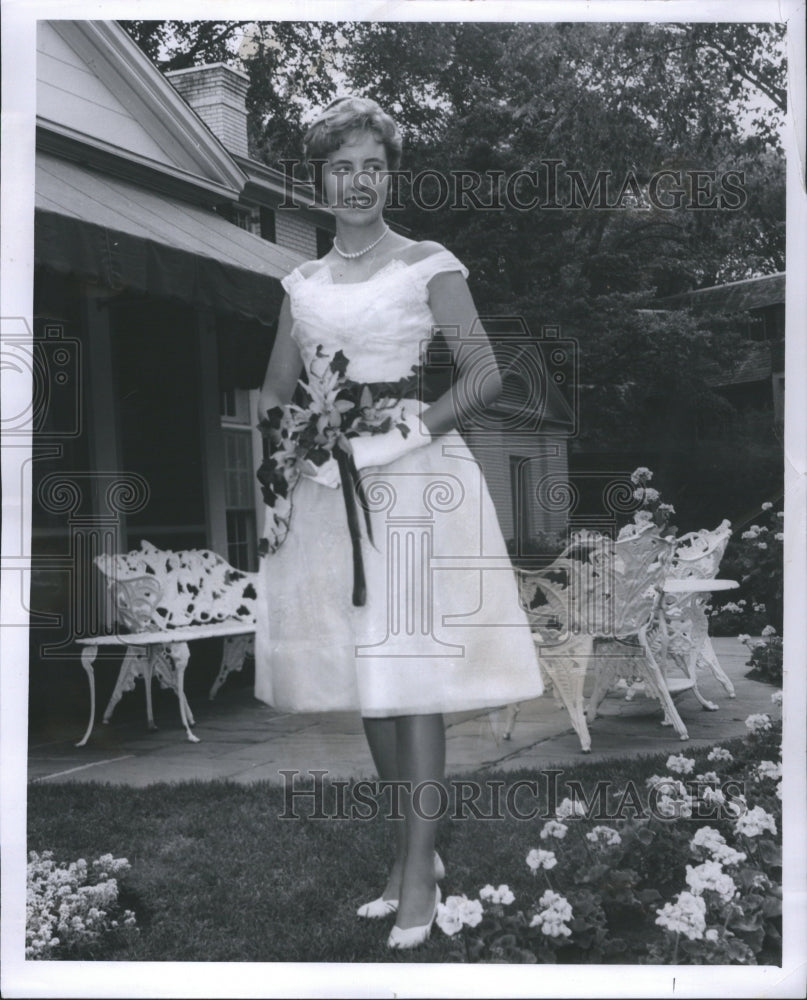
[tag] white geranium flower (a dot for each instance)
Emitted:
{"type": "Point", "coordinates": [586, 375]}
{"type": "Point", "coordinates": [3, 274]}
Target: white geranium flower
{"type": "Point", "coordinates": [769, 630]}
{"type": "Point", "coordinates": [710, 875]}
{"type": "Point", "coordinates": [569, 808]}
{"type": "Point", "coordinates": [448, 918]}
{"type": "Point", "coordinates": [646, 494]}
{"type": "Point", "coordinates": [713, 796]}
{"type": "Point", "coordinates": [641, 475]}
{"type": "Point", "coordinates": [686, 916]}
{"type": "Point", "coordinates": [758, 723]}
{"type": "Point", "coordinates": [776, 697]}
{"type": "Point", "coordinates": [768, 769]}
{"type": "Point", "coordinates": [604, 835]}
{"type": "Point", "coordinates": [680, 764]}
{"type": "Point", "coordinates": [755, 822]}
{"type": "Point", "coordinates": [551, 918]}
{"type": "Point", "coordinates": [554, 829]}
{"type": "Point", "coordinates": [501, 896]}
{"type": "Point", "coordinates": [541, 859]}
{"type": "Point", "coordinates": [471, 911]}
{"type": "Point", "coordinates": [719, 753]}
{"type": "Point", "coordinates": [458, 911]}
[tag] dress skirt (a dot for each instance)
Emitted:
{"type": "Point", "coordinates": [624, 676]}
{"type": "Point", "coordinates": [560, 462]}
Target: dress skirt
{"type": "Point", "coordinates": [441, 630]}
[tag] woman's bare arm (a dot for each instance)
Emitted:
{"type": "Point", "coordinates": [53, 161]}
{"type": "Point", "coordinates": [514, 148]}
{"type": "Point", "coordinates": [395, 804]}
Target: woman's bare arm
{"type": "Point", "coordinates": [479, 382]}
{"type": "Point", "coordinates": [285, 365]}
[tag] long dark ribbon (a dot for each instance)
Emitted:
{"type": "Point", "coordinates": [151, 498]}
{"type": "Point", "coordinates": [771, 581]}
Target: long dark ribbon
{"type": "Point", "coordinates": [350, 488]}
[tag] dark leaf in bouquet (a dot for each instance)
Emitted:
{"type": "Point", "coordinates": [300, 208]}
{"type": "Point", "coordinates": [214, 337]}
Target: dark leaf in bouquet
{"type": "Point", "coordinates": [281, 486]}
{"type": "Point", "coordinates": [405, 429]}
{"type": "Point", "coordinates": [263, 547]}
{"type": "Point", "coordinates": [266, 470]}
{"type": "Point", "coordinates": [319, 353]}
{"type": "Point", "coordinates": [319, 456]}
{"type": "Point", "coordinates": [339, 363]}
{"type": "Point", "coordinates": [384, 426]}
{"type": "Point", "coordinates": [271, 421]}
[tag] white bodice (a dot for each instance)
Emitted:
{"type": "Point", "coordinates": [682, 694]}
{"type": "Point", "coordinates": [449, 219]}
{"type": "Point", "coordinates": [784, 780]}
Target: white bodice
{"type": "Point", "coordinates": [382, 325]}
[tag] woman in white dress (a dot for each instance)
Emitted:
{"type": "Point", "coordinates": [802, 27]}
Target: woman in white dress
{"type": "Point", "coordinates": [438, 627]}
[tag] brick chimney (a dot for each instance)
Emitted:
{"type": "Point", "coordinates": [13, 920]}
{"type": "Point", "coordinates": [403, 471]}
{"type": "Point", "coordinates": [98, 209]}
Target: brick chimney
{"type": "Point", "coordinates": [217, 93]}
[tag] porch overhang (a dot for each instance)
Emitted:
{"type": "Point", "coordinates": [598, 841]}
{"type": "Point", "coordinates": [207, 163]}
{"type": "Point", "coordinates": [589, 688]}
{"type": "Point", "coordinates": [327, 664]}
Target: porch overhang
{"type": "Point", "coordinates": [125, 237]}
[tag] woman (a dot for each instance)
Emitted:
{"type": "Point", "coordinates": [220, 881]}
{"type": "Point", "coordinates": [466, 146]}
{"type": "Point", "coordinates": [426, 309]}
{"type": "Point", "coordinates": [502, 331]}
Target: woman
{"type": "Point", "coordinates": [412, 648]}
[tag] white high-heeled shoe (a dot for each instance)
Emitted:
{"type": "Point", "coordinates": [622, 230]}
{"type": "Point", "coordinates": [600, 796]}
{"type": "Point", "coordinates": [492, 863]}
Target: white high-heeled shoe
{"type": "Point", "coordinates": [401, 938]}
{"type": "Point", "coordinates": [380, 907]}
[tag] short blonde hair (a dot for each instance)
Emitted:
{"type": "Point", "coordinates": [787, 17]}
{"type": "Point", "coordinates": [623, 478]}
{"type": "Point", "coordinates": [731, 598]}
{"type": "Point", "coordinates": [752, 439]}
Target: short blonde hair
{"type": "Point", "coordinates": [349, 114]}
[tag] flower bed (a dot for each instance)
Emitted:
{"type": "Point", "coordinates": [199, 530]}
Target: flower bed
{"type": "Point", "coordinates": [755, 558]}
{"type": "Point", "coordinates": [693, 879]}
{"type": "Point", "coordinates": [72, 909]}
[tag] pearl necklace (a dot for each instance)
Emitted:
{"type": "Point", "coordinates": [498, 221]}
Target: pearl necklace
{"type": "Point", "coordinates": [360, 253]}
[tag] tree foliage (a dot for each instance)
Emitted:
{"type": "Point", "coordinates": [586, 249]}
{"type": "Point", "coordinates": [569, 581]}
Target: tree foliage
{"type": "Point", "coordinates": [622, 100]}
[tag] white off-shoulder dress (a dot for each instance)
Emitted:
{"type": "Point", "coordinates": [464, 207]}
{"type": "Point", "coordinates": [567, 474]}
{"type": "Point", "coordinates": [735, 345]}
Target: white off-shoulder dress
{"type": "Point", "coordinates": [441, 629]}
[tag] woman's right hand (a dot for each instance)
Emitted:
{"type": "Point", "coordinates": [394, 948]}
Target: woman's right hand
{"type": "Point", "coordinates": [326, 474]}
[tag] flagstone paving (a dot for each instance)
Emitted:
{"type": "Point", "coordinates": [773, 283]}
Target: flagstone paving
{"type": "Point", "coordinates": [245, 741]}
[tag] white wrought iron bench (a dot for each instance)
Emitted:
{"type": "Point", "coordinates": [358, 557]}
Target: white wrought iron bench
{"type": "Point", "coordinates": [163, 600]}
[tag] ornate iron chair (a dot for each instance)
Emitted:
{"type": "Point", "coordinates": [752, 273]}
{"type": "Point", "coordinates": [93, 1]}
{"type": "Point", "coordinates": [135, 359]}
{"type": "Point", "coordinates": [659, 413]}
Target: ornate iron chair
{"type": "Point", "coordinates": [601, 607]}
{"type": "Point", "coordinates": [626, 584]}
{"type": "Point", "coordinates": [682, 617]}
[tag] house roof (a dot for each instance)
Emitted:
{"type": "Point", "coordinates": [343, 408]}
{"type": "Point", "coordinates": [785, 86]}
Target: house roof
{"type": "Point", "coordinates": [754, 366]}
{"type": "Point", "coordinates": [734, 296]}
{"type": "Point", "coordinates": [96, 88]}
{"type": "Point", "coordinates": [127, 237]}
{"type": "Point", "coordinates": [528, 382]}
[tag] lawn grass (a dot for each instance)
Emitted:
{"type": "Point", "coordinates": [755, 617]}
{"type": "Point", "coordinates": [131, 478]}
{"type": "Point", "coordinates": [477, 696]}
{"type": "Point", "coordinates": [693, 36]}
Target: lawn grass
{"type": "Point", "coordinates": [217, 875]}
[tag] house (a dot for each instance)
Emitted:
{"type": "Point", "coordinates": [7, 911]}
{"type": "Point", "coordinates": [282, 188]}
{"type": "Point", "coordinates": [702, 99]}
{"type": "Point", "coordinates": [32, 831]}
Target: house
{"type": "Point", "coordinates": [154, 314]}
{"type": "Point", "coordinates": [758, 377]}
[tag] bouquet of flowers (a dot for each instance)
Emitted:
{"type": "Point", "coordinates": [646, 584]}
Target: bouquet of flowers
{"type": "Point", "coordinates": [302, 439]}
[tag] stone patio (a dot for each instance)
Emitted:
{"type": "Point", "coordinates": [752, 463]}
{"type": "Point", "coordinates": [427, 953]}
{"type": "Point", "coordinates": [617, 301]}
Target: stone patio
{"type": "Point", "coordinates": [245, 741]}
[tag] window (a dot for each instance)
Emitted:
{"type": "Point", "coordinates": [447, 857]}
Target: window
{"type": "Point", "coordinates": [239, 473]}
{"type": "Point", "coordinates": [520, 499]}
